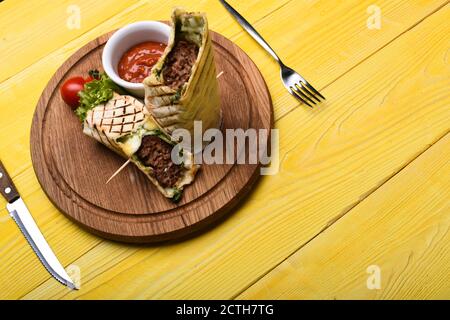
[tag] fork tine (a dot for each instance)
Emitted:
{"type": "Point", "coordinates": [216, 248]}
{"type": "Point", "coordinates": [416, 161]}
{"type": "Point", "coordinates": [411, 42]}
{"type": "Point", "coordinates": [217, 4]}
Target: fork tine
{"type": "Point", "coordinates": [305, 92]}
{"type": "Point", "coordinates": [299, 97]}
{"type": "Point", "coordinates": [308, 91]}
{"type": "Point", "coordinates": [303, 95]}
{"type": "Point", "coordinates": [314, 90]}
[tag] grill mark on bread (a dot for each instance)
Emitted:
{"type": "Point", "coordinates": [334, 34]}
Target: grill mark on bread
{"type": "Point", "coordinates": [109, 140]}
{"type": "Point", "coordinates": [111, 124]}
{"type": "Point", "coordinates": [103, 115]}
{"type": "Point", "coordinates": [134, 119]}
{"type": "Point", "coordinates": [121, 116]}
{"type": "Point", "coordinates": [121, 107]}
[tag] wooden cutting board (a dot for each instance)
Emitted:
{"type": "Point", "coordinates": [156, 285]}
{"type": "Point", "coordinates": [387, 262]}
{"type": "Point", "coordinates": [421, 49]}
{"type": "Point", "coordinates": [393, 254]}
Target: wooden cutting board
{"type": "Point", "coordinates": [73, 168]}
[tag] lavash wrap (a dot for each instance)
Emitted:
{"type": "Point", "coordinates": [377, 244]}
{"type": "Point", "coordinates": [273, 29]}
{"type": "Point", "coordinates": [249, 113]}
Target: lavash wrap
{"type": "Point", "coordinates": [198, 98]}
{"type": "Point", "coordinates": [120, 124]}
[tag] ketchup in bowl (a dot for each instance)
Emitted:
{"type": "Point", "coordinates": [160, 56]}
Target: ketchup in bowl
{"type": "Point", "coordinates": [136, 64]}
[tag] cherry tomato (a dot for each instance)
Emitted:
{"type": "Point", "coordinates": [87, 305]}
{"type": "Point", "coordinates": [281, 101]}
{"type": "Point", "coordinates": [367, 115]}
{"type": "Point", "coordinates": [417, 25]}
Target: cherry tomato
{"type": "Point", "coordinates": [69, 91]}
{"type": "Point", "coordinates": [89, 79]}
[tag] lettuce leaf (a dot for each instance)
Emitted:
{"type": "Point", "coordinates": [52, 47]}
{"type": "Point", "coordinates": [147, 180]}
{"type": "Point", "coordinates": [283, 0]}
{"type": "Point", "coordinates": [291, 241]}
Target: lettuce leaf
{"type": "Point", "coordinates": [94, 93]}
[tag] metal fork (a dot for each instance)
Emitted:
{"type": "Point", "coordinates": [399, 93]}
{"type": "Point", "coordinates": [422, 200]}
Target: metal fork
{"type": "Point", "coordinates": [294, 83]}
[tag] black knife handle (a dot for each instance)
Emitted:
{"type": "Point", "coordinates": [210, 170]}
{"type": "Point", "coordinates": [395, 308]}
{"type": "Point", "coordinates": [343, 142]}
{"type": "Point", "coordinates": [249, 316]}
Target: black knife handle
{"type": "Point", "coordinates": [7, 188]}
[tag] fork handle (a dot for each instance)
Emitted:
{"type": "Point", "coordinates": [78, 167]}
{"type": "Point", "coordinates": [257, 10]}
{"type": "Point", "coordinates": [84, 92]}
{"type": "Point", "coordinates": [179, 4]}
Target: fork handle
{"type": "Point", "coordinates": [248, 27]}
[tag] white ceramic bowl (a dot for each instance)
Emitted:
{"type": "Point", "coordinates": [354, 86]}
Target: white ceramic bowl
{"type": "Point", "coordinates": [126, 38]}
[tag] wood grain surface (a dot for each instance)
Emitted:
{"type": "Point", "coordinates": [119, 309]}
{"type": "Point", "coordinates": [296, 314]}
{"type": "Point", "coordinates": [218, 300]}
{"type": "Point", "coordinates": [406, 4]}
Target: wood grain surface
{"type": "Point", "coordinates": [73, 168]}
{"type": "Point", "coordinates": [387, 106]}
{"type": "Point", "coordinates": [407, 210]}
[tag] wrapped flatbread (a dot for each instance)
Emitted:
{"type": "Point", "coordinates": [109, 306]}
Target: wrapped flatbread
{"type": "Point", "coordinates": [123, 126]}
{"type": "Point", "coordinates": [182, 86]}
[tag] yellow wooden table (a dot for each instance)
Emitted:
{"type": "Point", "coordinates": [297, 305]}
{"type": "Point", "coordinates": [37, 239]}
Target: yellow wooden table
{"type": "Point", "coordinates": [361, 206]}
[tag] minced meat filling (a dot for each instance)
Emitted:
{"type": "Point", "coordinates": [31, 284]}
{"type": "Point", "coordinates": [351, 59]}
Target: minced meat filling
{"type": "Point", "coordinates": [179, 63]}
{"type": "Point", "coordinates": [156, 153]}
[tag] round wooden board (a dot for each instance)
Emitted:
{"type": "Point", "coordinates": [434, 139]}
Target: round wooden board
{"type": "Point", "coordinates": [73, 168]}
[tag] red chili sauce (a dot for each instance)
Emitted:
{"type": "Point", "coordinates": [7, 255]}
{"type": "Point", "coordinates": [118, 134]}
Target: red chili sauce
{"type": "Point", "coordinates": [136, 64]}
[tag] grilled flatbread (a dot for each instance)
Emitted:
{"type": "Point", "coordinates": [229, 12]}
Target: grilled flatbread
{"type": "Point", "coordinates": [123, 126]}
{"type": "Point", "coordinates": [182, 86]}
{"type": "Point", "coordinates": [108, 122]}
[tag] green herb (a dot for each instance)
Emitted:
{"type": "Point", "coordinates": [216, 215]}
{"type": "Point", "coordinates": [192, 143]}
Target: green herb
{"type": "Point", "coordinates": [177, 196]}
{"type": "Point", "coordinates": [160, 134]}
{"type": "Point", "coordinates": [176, 96]}
{"type": "Point", "coordinates": [94, 93]}
{"type": "Point", "coordinates": [156, 132]}
{"type": "Point", "coordinates": [94, 73]}
{"type": "Point", "coordinates": [124, 138]}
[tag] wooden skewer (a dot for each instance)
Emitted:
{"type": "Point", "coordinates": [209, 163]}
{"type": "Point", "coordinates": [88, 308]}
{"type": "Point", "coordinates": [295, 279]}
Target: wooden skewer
{"type": "Point", "coordinates": [118, 171]}
{"type": "Point", "coordinates": [129, 160]}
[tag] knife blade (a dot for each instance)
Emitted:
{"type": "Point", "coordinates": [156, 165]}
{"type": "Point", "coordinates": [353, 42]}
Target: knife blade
{"type": "Point", "coordinates": [24, 220]}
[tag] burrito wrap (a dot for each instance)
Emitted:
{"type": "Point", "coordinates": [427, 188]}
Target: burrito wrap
{"type": "Point", "coordinates": [196, 99]}
{"type": "Point", "coordinates": [122, 125]}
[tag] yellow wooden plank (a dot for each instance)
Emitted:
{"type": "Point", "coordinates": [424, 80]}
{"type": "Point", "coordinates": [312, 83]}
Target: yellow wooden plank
{"type": "Point", "coordinates": [15, 120]}
{"type": "Point", "coordinates": [25, 87]}
{"type": "Point", "coordinates": [376, 121]}
{"type": "Point", "coordinates": [400, 230]}
{"type": "Point", "coordinates": [398, 17]}
{"type": "Point", "coordinates": [324, 39]}
{"type": "Point", "coordinates": [31, 29]}
{"type": "Point", "coordinates": [20, 267]}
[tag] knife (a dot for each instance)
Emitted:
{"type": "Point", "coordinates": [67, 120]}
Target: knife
{"type": "Point", "coordinates": [20, 214]}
